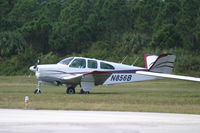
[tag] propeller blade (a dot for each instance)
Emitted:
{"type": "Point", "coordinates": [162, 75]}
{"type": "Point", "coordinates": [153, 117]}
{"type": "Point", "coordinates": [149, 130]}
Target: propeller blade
{"type": "Point", "coordinates": [35, 66]}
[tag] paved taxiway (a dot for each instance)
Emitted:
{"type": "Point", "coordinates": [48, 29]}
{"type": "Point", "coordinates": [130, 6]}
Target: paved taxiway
{"type": "Point", "coordinates": [48, 121]}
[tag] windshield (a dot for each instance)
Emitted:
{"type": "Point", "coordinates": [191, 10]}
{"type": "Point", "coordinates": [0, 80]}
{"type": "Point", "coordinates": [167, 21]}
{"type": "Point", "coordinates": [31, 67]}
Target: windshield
{"type": "Point", "coordinates": [66, 61]}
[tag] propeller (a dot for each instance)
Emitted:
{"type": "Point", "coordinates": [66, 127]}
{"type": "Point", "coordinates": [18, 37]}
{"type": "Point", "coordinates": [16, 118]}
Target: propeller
{"type": "Point", "coordinates": [34, 68]}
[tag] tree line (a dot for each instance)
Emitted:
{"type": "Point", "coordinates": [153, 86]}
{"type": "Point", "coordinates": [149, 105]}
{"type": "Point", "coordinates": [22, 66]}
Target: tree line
{"type": "Point", "coordinates": [107, 29]}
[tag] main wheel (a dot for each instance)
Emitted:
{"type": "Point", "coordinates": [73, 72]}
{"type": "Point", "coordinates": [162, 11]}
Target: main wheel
{"type": "Point", "coordinates": [70, 90]}
{"type": "Point", "coordinates": [84, 92]}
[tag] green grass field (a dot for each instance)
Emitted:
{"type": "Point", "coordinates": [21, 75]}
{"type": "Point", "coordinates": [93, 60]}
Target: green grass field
{"type": "Point", "coordinates": [172, 96]}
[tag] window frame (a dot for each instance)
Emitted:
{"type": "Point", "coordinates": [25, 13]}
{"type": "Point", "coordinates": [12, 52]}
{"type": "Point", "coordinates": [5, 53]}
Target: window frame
{"type": "Point", "coordinates": [92, 61]}
{"type": "Point", "coordinates": [111, 67]}
{"type": "Point", "coordinates": [80, 66]}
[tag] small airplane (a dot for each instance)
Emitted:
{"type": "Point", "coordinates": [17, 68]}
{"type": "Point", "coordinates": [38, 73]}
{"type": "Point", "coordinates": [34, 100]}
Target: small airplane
{"type": "Point", "coordinates": [89, 72]}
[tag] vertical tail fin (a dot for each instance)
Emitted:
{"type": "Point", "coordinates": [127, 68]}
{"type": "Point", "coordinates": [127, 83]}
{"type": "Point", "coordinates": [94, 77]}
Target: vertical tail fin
{"type": "Point", "coordinates": [149, 60]}
{"type": "Point", "coordinates": [163, 64]}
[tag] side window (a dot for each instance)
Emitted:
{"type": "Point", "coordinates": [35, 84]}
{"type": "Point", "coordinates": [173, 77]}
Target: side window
{"type": "Point", "coordinates": [92, 64]}
{"type": "Point", "coordinates": [106, 66]}
{"type": "Point", "coordinates": [78, 63]}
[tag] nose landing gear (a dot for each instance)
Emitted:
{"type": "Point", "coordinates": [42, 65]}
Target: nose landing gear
{"type": "Point", "coordinates": [38, 91]}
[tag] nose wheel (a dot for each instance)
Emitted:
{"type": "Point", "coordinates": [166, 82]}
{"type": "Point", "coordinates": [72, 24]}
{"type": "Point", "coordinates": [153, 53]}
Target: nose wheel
{"type": "Point", "coordinates": [37, 91]}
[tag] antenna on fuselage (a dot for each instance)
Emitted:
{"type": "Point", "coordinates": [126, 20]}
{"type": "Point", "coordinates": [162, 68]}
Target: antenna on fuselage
{"type": "Point", "coordinates": [135, 61]}
{"type": "Point", "coordinates": [124, 59]}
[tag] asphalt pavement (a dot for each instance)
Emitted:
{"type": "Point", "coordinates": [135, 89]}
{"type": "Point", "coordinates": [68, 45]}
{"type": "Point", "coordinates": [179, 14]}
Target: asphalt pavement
{"type": "Point", "coordinates": [52, 121]}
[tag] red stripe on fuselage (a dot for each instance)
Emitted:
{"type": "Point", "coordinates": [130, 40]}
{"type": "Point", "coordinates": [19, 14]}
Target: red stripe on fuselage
{"type": "Point", "coordinates": [110, 72]}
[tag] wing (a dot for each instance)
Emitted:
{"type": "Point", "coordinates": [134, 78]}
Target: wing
{"type": "Point", "coordinates": [87, 80]}
{"type": "Point", "coordinates": [163, 75]}
{"type": "Point", "coordinates": [99, 77]}
{"type": "Point", "coordinates": [72, 79]}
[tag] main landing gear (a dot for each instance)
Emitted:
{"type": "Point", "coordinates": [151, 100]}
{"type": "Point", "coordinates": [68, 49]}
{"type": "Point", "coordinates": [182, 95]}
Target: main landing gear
{"type": "Point", "coordinates": [38, 91]}
{"type": "Point", "coordinates": [84, 92]}
{"type": "Point", "coordinates": [70, 90]}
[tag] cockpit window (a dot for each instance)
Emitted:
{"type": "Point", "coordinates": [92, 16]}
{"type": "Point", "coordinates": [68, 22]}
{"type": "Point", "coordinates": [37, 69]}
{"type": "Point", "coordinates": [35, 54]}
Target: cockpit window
{"type": "Point", "coordinates": [78, 63]}
{"type": "Point", "coordinates": [106, 66]}
{"type": "Point", "coordinates": [66, 61]}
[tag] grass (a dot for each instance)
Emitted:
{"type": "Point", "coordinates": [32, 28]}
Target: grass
{"type": "Point", "coordinates": [170, 96]}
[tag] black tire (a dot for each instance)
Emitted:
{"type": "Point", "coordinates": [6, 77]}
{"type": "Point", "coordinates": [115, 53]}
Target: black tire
{"type": "Point", "coordinates": [84, 92]}
{"type": "Point", "coordinates": [81, 91]}
{"type": "Point", "coordinates": [37, 91]}
{"type": "Point", "coordinates": [70, 90]}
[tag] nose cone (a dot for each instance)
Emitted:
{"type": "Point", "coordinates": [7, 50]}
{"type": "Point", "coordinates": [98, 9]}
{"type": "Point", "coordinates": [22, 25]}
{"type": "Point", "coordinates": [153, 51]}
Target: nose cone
{"type": "Point", "coordinates": [32, 68]}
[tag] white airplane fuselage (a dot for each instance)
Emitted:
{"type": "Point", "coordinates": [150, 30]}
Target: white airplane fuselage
{"type": "Point", "coordinates": [52, 74]}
